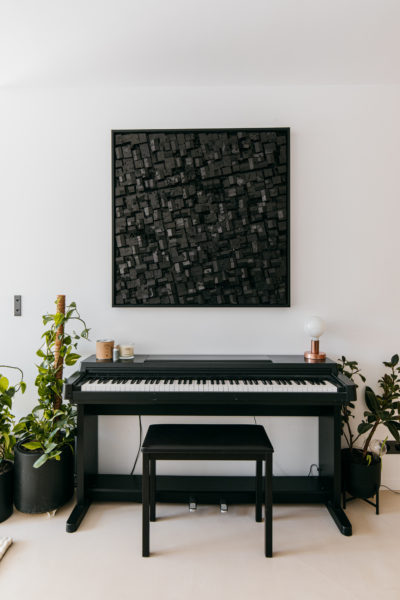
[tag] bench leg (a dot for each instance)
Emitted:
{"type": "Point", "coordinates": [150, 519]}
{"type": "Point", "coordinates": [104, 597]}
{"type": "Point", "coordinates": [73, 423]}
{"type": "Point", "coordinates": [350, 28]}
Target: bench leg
{"type": "Point", "coordinates": [259, 464]}
{"type": "Point", "coordinates": [145, 508]}
{"type": "Point", "coordinates": [152, 490]}
{"type": "Point", "coordinates": [268, 505]}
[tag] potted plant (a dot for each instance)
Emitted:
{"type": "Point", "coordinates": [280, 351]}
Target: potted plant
{"type": "Point", "coordinates": [7, 441]}
{"type": "Point", "coordinates": [44, 466]}
{"type": "Point", "coordinates": [361, 466]}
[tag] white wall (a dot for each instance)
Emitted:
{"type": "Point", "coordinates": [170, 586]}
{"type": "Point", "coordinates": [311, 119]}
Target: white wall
{"type": "Point", "coordinates": [55, 193]}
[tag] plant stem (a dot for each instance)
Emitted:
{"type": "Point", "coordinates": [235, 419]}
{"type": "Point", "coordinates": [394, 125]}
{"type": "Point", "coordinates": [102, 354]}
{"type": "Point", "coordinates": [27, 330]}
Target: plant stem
{"type": "Point", "coordinates": [16, 368]}
{"type": "Point", "coordinates": [369, 438]}
{"type": "Point", "coordinates": [350, 440]}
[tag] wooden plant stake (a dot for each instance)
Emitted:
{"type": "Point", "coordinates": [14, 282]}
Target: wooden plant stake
{"type": "Point", "coordinates": [58, 360]}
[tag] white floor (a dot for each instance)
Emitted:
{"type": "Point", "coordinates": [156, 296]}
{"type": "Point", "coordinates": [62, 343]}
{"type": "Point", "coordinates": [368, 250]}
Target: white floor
{"type": "Point", "coordinates": [204, 555]}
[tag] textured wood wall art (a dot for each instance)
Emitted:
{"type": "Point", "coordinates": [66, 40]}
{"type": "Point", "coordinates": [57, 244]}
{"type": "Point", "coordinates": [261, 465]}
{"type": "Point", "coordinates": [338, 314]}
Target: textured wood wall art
{"type": "Point", "coordinates": [201, 217]}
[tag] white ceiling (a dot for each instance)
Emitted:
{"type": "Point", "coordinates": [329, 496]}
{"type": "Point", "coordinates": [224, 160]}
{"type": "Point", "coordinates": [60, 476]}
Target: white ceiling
{"type": "Point", "coordinates": [199, 42]}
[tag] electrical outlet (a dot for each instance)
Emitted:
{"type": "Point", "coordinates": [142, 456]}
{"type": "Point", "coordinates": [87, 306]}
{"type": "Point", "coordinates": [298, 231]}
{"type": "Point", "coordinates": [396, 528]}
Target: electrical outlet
{"type": "Point", "coordinates": [17, 306]}
{"type": "Point", "coordinates": [393, 447]}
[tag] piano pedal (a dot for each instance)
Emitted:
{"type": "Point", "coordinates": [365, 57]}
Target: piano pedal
{"type": "Point", "coordinates": [192, 504]}
{"type": "Point", "coordinates": [223, 506]}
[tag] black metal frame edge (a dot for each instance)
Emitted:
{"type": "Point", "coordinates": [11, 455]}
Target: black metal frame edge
{"type": "Point", "coordinates": [286, 131]}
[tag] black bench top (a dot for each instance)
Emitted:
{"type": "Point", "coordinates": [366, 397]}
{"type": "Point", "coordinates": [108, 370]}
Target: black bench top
{"type": "Point", "coordinates": [209, 438]}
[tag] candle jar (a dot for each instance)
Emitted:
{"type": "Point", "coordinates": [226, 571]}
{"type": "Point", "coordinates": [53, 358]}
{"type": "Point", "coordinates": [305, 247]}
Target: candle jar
{"type": "Point", "coordinates": [126, 351]}
{"type": "Point", "coordinates": [104, 349]}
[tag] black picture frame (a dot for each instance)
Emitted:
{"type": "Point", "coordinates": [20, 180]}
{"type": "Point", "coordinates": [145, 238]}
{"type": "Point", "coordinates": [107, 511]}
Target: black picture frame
{"type": "Point", "coordinates": [282, 132]}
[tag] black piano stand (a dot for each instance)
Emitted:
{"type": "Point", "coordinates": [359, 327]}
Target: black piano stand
{"type": "Point", "coordinates": [92, 486]}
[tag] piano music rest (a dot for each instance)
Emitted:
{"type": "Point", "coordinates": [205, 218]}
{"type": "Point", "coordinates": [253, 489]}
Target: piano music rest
{"type": "Point", "coordinates": [206, 442]}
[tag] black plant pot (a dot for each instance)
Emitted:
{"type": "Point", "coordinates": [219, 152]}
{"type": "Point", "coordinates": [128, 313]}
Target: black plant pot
{"type": "Point", "coordinates": [43, 489]}
{"type": "Point", "coordinates": [6, 491]}
{"type": "Point", "coordinates": [360, 479]}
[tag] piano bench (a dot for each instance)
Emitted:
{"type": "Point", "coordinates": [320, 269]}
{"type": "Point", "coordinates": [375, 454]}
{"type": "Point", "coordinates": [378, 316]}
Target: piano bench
{"type": "Point", "coordinates": [206, 442]}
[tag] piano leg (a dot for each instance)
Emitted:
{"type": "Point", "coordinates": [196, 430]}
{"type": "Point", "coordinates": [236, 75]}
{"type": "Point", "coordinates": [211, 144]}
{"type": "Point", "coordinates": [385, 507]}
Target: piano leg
{"type": "Point", "coordinates": [330, 467]}
{"type": "Point", "coordinates": [340, 518]}
{"type": "Point", "coordinates": [86, 464]}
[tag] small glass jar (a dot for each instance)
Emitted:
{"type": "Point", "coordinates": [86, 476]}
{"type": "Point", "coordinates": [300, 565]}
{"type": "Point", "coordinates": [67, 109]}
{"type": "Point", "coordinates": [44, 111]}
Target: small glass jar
{"type": "Point", "coordinates": [126, 351]}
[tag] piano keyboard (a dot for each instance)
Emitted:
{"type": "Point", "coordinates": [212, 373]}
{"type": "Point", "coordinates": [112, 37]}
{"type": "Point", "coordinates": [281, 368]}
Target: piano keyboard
{"type": "Point", "coordinates": [121, 384]}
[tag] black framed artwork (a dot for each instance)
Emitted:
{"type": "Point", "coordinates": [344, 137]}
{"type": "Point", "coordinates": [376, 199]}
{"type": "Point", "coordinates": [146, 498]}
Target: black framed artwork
{"type": "Point", "coordinates": [201, 217]}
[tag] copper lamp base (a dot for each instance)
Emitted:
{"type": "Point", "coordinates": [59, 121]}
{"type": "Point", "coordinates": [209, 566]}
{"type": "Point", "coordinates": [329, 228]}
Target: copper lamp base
{"type": "Point", "coordinates": [314, 355]}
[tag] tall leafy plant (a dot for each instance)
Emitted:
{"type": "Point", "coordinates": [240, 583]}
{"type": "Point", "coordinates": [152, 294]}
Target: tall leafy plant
{"type": "Point", "coordinates": [51, 424]}
{"type": "Point", "coordinates": [7, 393]}
{"type": "Point", "coordinates": [383, 408]}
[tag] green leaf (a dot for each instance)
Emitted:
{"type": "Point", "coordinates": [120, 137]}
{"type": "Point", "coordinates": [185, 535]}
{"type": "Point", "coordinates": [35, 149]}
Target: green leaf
{"type": "Point", "coordinates": [371, 400]}
{"type": "Point", "coordinates": [34, 445]}
{"type": "Point", "coordinates": [40, 461]}
{"type": "Point", "coordinates": [392, 426]}
{"type": "Point", "coordinates": [51, 447]}
{"type": "Point", "coordinates": [364, 427]}
{"type": "Point", "coordinates": [71, 359]}
{"type": "Point", "coordinates": [21, 426]}
{"type": "Point", "coordinates": [394, 360]}
{"type": "Point", "coordinates": [58, 319]}
{"type": "Point", "coordinates": [4, 383]}
{"type": "Point", "coordinates": [7, 400]}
